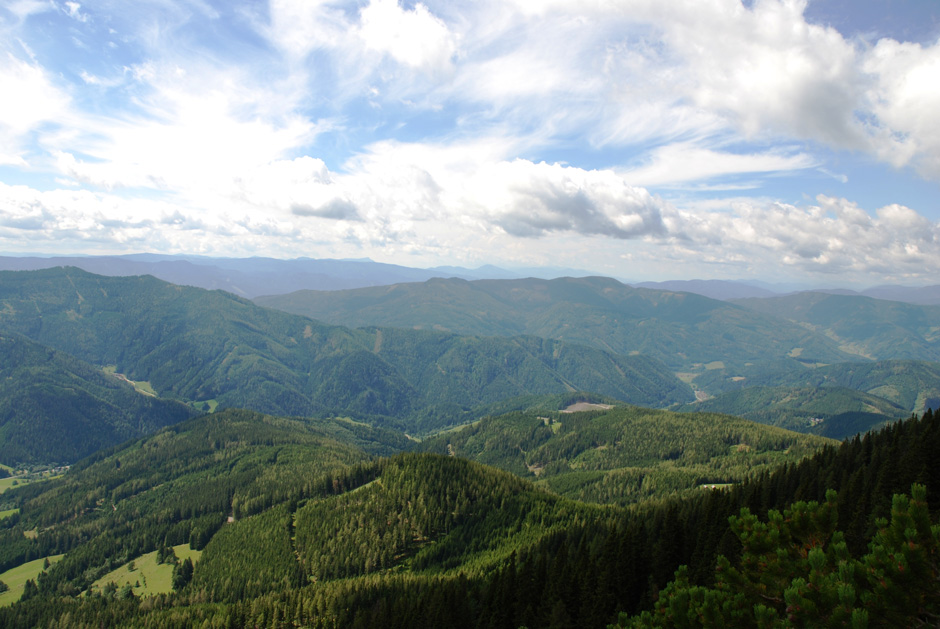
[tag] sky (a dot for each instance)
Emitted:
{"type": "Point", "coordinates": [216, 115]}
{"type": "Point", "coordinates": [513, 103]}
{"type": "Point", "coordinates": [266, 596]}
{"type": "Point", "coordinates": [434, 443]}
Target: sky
{"type": "Point", "coordinates": [779, 140]}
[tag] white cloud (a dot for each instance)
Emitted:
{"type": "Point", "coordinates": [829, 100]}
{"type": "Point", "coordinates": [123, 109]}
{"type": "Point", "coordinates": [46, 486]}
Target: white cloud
{"type": "Point", "coordinates": [905, 101]}
{"type": "Point", "coordinates": [30, 97]}
{"type": "Point", "coordinates": [24, 8]}
{"type": "Point", "coordinates": [30, 101]}
{"type": "Point", "coordinates": [299, 27]}
{"type": "Point", "coordinates": [834, 237]}
{"type": "Point", "coordinates": [74, 11]}
{"type": "Point", "coordinates": [769, 69]}
{"type": "Point", "coordinates": [198, 132]}
{"type": "Point", "coordinates": [415, 38]}
{"type": "Point", "coordinates": [685, 162]}
{"type": "Point", "coordinates": [533, 110]}
{"type": "Point", "coordinates": [706, 67]}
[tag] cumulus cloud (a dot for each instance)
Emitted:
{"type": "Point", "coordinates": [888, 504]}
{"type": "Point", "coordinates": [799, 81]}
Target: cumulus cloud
{"type": "Point", "coordinates": [770, 70]}
{"type": "Point", "coordinates": [414, 37]}
{"type": "Point", "coordinates": [834, 237]}
{"type": "Point", "coordinates": [540, 198]}
{"type": "Point", "coordinates": [761, 69]}
{"type": "Point", "coordinates": [905, 100]}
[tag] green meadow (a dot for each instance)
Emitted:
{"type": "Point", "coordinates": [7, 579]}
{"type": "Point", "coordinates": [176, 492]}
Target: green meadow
{"type": "Point", "coordinates": [145, 575]}
{"type": "Point", "coordinates": [16, 578]}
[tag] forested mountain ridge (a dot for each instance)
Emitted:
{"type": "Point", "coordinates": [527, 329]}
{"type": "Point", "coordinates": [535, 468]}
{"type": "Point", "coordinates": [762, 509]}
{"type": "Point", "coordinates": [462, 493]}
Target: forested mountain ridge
{"type": "Point", "coordinates": [914, 386]}
{"type": "Point", "coordinates": [199, 345]}
{"type": "Point", "coordinates": [177, 486]}
{"type": "Point", "coordinates": [684, 330]}
{"type": "Point", "coordinates": [57, 409]}
{"type": "Point", "coordinates": [876, 328]}
{"type": "Point", "coordinates": [623, 455]}
{"type": "Point", "coordinates": [246, 277]}
{"type": "Point", "coordinates": [400, 541]}
{"type": "Point", "coordinates": [303, 504]}
{"type": "Point", "coordinates": [831, 411]}
{"type": "Point", "coordinates": [833, 558]}
{"type": "Point", "coordinates": [717, 348]}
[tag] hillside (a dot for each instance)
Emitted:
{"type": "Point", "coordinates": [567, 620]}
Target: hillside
{"type": "Point", "coordinates": [715, 289]}
{"type": "Point", "coordinates": [912, 385]}
{"type": "Point", "coordinates": [687, 332]}
{"type": "Point", "coordinates": [623, 455]}
{"type": "Point", "coordinates": [322, 536]}
{"type": "Point", "coordinates": [198, 345]}
{"type": "Point", "coordinates": [57, 409]}
{"type": "Point", "coordinates": [274, 504]}
{"type": "Point", "coordinates": [878, 329]}
{"type": "Point", "coordinates": [176, 486]}
{"type": "Point", "coordinates": [830, 411]}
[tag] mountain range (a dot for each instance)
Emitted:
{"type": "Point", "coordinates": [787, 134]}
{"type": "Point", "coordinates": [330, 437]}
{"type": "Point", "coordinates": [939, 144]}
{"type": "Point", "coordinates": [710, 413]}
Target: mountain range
{"type": "Point", "coordinates": [439, 353]}
{"type": "Point", "coordinates": [687, 332]}
{"type": "Point", "coordinates": [258, 276]}
{"type": "Point", "coordinates": [212, 348]}
{"type": "Point", "coordinates": [541, 490]}
{"type": "Point", "coordinates": [251, 277]}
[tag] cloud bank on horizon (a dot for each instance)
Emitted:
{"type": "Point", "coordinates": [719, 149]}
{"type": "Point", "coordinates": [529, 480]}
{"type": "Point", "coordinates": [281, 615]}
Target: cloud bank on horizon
{"type": "Point", "coordinates": [772, 139]}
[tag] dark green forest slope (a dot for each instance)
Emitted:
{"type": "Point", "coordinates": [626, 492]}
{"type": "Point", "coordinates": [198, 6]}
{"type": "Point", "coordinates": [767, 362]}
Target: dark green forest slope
{"type": "Point", "coordinates": [58, 409]}
{"type": "Point", "coordinates": [625, 454]}
{"type": "Point", "coordinates": [323, 536]}
{"type": "Point", "coordinates": [176, 486]}
{"type": "Point", "coordinates": [199, 345]}
{"type": "Point", "coordinates": [683, 330]}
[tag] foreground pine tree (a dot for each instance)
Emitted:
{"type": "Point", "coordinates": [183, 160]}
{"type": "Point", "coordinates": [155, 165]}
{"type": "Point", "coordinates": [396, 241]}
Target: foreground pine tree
{"type": "Point", "coordinates": [796, 571]}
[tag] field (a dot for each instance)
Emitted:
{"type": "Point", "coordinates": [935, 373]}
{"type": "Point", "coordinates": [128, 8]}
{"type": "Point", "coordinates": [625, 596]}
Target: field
{"type": "Point", "coordinates": [206, 406]}
{"type": "Point", "coordinates": [6, 483]}
{"type": "Point", "coordinates": [142, 386]}
{"type": "Point", "coordinates": [16, 578]}
{"type": "Point", "coordinates": [145, 575]}
{"type": "Point", "coordinates": [16, 481]}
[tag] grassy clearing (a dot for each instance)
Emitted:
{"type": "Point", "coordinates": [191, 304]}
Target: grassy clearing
{"type": "Point", "coordinates": [20, 480]}
{"type": "Point", "coordinates": [142, 386]}
{"type": "Point", "coordinates": [206, 406]}
{"type": "Point", "coordinates": [6, 483]}
{"type": "Point", "coordinates": [6, 514]}
{"type": "Point", "coordinates": [145, 575]}
{"type": "Point", "coordinates": [6, 467]}
{"type": "Point", "coordinates": [16, 578]}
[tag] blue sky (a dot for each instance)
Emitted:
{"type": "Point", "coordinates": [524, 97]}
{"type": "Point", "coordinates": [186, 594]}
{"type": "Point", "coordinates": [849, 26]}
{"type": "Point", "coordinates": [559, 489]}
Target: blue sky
{"type": "Point", "coordinates": [771, 139]}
